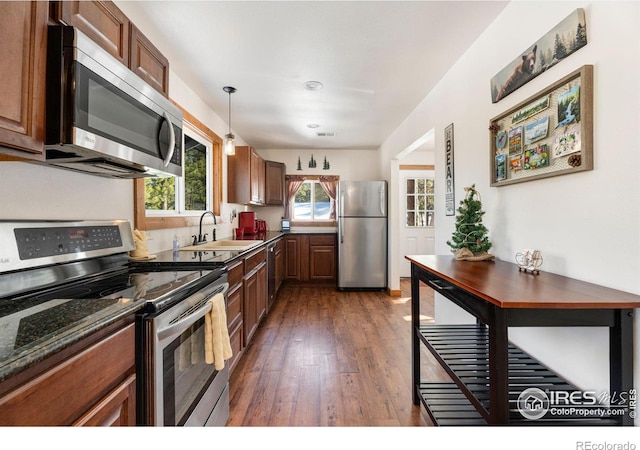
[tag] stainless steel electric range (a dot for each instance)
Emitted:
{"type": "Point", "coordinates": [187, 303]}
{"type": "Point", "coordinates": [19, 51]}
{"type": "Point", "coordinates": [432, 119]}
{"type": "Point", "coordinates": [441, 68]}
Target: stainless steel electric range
{"type": "Point", "coordinates": [60, 281]}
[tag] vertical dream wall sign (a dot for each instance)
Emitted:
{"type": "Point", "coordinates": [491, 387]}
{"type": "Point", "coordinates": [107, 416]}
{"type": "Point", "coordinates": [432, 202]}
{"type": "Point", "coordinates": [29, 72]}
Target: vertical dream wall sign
{"type": "Point", "coordinates": [560, 42]}
{"type": "Point", "coordinates": [449, 185]}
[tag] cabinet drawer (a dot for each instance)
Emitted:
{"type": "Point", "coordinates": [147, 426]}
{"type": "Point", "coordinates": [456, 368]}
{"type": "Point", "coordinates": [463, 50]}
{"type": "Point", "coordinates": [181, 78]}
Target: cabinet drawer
{"type": "Point", "coordinates": [322, 240]}
{"type": "Point", "coordinates": [254, 260]}
{"type": "Point", "coordinates": [235, 274]}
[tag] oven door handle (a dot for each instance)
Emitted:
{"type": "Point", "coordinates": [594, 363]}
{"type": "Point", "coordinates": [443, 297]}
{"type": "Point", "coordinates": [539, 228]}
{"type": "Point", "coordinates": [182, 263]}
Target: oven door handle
{"type": "Point", "coordinates": [185, 322]}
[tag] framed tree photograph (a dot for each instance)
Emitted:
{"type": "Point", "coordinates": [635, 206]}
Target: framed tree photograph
{"type": "Point", "coordinates": [553, 135]}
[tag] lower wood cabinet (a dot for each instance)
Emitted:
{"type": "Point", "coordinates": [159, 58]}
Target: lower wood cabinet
{"type": "Point", "coordinates": [310, 257]}
{"type": "Point", "coordinates": [255, 292]}
{"type": "Point", "coordinates": [279, 263]}
{"type": "Point", "coordinates": [322, 257]}
{"type": "Point", "coordinates": [235, 307]}
{"type": "Point", "coordinates": [94, 385]}
{"type": "Point", "coordinates": [117, 409]}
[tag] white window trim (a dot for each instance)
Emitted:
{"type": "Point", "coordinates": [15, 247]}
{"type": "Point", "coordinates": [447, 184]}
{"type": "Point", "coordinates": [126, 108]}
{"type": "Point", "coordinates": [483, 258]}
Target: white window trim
{"type": "Point", "coordinates": [415, 178]}
{"type": "Point", "coordinates": [312, 182]}
{"type": "Point", "coordinates": [180, 181]}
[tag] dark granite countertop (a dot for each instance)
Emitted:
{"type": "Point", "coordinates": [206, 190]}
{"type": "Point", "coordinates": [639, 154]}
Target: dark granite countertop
{"type": "Point", "coordinates": [204, 259]}
{"type": "Point", "coordinates": [28, 336]}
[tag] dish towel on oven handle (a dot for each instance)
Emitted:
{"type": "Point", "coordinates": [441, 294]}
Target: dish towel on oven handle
{"type": "Point", "coordinates": [217, 346]}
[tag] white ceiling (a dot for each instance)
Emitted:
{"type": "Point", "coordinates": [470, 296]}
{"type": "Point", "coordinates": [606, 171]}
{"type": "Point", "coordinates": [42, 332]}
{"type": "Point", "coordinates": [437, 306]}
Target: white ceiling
{"type": "Point", "coordinates": [376, 59]}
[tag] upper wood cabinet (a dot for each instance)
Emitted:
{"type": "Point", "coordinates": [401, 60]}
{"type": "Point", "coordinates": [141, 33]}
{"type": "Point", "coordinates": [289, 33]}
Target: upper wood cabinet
{"type": "Point", "coordinates": [23, 73]}
{"type": "Point", "coordinates": [245, 177]}
{"type": "Point", "coordinates": [257, 179]}
{"type": "Point", "coordinates": [253, 181]}
{"type": "Point", "coordinates": [274, 184]}
{"type": "Point", "coordinates": [104, 23]}
{"type": "Point", "coordinates": [146, 61]}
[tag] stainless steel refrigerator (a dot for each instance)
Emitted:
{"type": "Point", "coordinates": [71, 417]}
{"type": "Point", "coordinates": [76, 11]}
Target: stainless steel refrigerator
{"type": "Point", "coordinates": [362, 234]}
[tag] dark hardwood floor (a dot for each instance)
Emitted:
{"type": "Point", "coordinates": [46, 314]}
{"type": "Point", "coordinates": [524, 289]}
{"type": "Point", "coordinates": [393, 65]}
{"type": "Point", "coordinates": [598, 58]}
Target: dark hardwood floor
{"type": "Point", "coordinates": [327, 358]}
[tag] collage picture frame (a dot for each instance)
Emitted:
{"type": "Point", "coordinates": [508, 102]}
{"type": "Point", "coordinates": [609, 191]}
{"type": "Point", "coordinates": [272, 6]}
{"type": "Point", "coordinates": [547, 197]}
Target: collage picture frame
{"type": "Point", "coordinates": [548, 134]}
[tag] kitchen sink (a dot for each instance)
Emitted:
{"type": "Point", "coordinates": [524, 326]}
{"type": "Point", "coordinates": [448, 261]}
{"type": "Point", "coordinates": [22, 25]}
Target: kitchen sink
{"type": "Point", "coordinates": [223, 246]}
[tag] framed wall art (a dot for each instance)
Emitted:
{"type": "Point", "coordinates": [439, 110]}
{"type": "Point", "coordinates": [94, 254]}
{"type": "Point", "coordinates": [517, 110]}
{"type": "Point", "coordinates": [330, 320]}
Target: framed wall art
{"type": "Point", "coordinates": [548, 134]}
{"type": "Point", "coordinates": [561, 41]}
{"type": "Point", "coordinates": [449, 206]}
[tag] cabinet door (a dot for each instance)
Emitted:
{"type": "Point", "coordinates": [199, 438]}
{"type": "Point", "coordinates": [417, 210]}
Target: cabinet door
{"type": "Point", "coordinates": [322, 257]}
{"type": "Point", "coordinates": [117, 409]}
{"type": "Point", "coordinates": [148, 63]}
{"type": "Point", "coordinates": [257, 178]}
{"type": "Point", "coordinates": [279, 263]}
{"type": "Point", "coordinates": [261, 301]}
{"type": "Point", "coordinates": [250, 310]}
{"type": "Point", "coordinates": [23, 55]}
{"type": "Point", "coordinates": [322, 262]}
{"type": "Point", "coordinates": [237, 344]}
{"type": "Point", "coordinates": [103, 22]}
{"type": "Point", "coordinates": [292, 260]}
{"type": "Point", "coordinates": [235, 300]}
{"type": "Point", "coordinates": [274, 183]}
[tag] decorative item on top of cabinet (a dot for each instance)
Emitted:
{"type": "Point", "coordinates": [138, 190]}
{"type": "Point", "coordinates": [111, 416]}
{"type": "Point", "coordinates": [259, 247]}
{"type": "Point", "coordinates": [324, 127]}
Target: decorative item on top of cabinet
{"type": "Point", "coordinates": [274, 183]}
{"type": "Point", "coordinates": [245, 177]}
{"type": "Point", "coordinates": [106, 24]}
{"type": "Point", "coordinates": [23, 75]}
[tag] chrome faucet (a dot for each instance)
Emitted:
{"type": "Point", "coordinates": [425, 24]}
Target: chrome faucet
{"type": "Point", "coordinates": [201, 238]}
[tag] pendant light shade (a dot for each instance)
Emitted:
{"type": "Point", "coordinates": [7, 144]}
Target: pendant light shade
{"type": "Point", "coordinates": [229, 145]}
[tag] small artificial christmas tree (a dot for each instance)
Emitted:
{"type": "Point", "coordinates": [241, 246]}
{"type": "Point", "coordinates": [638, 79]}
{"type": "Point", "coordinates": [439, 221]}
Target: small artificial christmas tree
{"type": "Point", "coordinates": [470, 240]}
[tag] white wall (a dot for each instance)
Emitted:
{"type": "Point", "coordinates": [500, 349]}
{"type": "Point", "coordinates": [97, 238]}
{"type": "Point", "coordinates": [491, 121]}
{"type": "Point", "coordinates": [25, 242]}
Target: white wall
{"type": "Point", "coordinates": [30, 191]}
{"type": "Point", "coordinates": [587, 224]}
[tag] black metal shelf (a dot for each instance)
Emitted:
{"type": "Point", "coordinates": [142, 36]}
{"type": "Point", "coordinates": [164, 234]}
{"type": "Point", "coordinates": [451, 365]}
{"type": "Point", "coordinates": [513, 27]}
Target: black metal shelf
{"type": "Point", "coordinates": [463, 350]}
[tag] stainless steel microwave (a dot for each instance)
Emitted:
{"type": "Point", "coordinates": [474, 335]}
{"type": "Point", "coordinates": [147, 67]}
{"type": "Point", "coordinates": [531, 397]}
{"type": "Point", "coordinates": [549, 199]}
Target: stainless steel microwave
{"type": "Point", "coordinates": [103, 119]}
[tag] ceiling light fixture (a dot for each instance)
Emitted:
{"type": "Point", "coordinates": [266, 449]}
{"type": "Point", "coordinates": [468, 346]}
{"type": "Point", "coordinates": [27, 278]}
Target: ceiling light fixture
{"type": "Point", "coordinates": [229, 144]}
{"type": "Point", "coordinates": [313, 125]}
{"type": "Point", "coordinates": [313, 85]}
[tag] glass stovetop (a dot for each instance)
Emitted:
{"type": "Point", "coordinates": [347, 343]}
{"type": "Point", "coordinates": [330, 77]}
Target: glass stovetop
{"type": "Point", "coordinates": [31, 321]}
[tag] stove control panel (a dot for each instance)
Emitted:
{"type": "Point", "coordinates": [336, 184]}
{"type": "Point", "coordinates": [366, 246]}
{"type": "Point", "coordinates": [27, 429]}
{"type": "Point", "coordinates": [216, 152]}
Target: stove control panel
{"type": "Point", "coordinates": [45, 242]}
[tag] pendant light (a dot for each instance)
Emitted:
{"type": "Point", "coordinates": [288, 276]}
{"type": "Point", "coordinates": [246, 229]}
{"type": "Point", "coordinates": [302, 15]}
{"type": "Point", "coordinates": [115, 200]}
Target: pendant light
{"type": "Point", "coordinates": [229, 144]}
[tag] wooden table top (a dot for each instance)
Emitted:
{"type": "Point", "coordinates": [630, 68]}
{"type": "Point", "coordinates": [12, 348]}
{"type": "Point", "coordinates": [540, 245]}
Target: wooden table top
{"type": "Point", "coordinates": [502, 284]}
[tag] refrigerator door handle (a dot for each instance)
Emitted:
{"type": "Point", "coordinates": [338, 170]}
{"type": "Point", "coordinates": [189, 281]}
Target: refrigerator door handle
{"type": "Point", "coordinates": [341, 217]}
{"type": "Point", "coordinates": [383, 200]}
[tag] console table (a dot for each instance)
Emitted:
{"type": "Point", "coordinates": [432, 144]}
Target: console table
{"type": "Point", "coordinates": [488, 372]}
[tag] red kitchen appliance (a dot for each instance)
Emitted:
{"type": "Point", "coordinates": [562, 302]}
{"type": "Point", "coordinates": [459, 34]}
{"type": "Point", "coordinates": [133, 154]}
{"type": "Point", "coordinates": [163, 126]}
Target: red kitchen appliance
{"type": "Point", "coordinates": [261, 225]}
{"type": "Point", "coordinates": [247, 221]}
